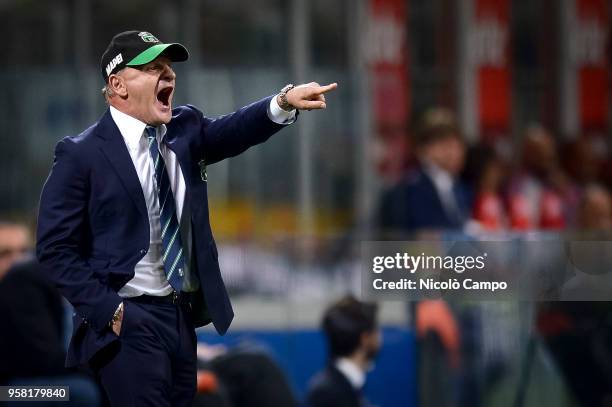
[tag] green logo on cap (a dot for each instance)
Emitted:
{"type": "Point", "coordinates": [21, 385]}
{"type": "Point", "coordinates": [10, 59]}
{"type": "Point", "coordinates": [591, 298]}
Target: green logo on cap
{"type": "Point", "coordinates": [147, 37]}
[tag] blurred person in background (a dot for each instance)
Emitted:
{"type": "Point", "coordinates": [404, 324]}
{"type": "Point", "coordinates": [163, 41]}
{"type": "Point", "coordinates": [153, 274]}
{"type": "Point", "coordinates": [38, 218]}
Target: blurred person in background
{"type": "Point", "coordinates": [432, 196]}
{"type": "Point", "coordinates": [15, 244]}
{"type": "Point", "coordinates": [32, 346]}
{"type": "Point", "coordinates": [123, 227]}
{"type": "Point", "coordinates": [353, 340]}
{"type": "Point", "coordinates": [581, 161]}
{"type": "Point", "coordinates": [31, 341]}
{"type": "Point", "coordinates": [578, 333]}
{"type": "Point", "coordinates": [484, 174]}
{"type": "Point", "coordinates": [540, 194]}
{"type": "Point", "coordinates": [241, 376]}
{"type": "Point", "coordinates": [596, 209]}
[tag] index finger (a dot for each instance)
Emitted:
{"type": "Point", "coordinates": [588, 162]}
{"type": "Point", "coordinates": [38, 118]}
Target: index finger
{"type": "Point", "coordinates": [324, 89]}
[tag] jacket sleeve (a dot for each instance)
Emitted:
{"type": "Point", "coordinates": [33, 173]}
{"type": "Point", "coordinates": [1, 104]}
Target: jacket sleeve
{"type": "Point", "coordinates": [62, 236]}
{"type": "Point", "coordinates": [234, 133]}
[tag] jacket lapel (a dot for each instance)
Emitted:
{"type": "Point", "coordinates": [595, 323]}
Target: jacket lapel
{"type": "Point", "coordinates": [116, 152]}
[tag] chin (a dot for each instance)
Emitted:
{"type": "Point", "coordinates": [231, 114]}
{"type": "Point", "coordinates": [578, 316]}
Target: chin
{"type": "Point", "coordinates": [162, 117]}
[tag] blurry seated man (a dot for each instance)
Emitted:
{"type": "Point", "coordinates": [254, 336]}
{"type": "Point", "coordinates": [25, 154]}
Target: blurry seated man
{"type": "Point", "coordinates": [353, 339]}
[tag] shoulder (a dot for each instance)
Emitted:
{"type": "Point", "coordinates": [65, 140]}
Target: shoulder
{"type": "Point", "coordinates": [321, 380]}
{"type": "Point", "coordinates": [88, 137]}
{"type": "Point", "coordinates": [77, 144]}
{"type": "Point", "coordinates": [78, 149]}
{"type": "Point", "coordinates": [327, 384]}
{"type": "Point", "coordinates": [413, 180]}
{"type": "Point", "coordinates": [185, 116]}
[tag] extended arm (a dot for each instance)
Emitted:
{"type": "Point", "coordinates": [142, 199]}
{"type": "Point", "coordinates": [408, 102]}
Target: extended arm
{"type": "Point", "coordinates": [234, 133]}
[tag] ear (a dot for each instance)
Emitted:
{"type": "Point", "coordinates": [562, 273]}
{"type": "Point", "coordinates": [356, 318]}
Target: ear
{"type": "Point", "coordinates": [117, 84]}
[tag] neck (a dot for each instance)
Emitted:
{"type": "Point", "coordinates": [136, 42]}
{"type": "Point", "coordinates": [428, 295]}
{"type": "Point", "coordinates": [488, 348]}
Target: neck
{"type": "Point", "coordinates": [360, 359]}
{"type": "Point", "coordinates": [124, 108]}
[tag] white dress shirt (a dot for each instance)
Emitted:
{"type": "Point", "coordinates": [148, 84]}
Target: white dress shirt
{"type": "Point", "coordinates": [149, 276]}
{"type": "Point", "coordinates": [351, 371]}
{"type": "Point", "coordinates": [444, 183]}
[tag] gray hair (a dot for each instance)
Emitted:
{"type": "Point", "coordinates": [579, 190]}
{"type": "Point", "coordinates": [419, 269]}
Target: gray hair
{"type": "Point", "coordinates": [106, 91]}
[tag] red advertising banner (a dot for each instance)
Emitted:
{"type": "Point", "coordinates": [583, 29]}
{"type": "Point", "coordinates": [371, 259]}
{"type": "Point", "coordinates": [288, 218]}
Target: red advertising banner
{"type": "Point", "coordinates": [589, 49]}
{"type": "Point", "coordinates": [388, 60]}
{"type": "Point", "coordinates": [387, 56]}
{"type": "Point", "coordinates": [490, 47]}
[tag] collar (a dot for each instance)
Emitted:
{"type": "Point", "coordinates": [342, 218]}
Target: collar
{"type": "Point", "coordinates": [132, 129]}
{"type": "Point", "coordinates": [442, 179]}
{"type": "Point", "coordinates": [351, 371]}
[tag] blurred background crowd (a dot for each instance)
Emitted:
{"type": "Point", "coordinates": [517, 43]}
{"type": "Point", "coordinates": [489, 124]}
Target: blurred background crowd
{"type": "Point", "coordinates": [486, 118]}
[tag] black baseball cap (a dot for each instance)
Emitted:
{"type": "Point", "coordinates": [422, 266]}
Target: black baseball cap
{"type": "Point", "coordinates": [134, 48]}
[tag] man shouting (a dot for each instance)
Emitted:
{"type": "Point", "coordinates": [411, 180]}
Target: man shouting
{"type": "Point", "coordinates": [123, 228]}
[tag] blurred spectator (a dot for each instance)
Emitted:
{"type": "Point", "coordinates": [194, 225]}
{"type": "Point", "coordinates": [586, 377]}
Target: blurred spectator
{"type": "Point", "coordinates": [568, 326]}
{"type": "Point", "coordinates": [15, 245]}
{"type": "Point", "coordinates": [353, 339]}
{"type": "Point", "coordinates": [240, 378]}
{"type": "Point", "coordinates": [431, 196]}
{"type": "Point", "coordinates": [32, 350]}
{"type": "Point", "coordinates": [32, 339]}
{"type": "Point", "coordinates": [581, 161]}
{"type": "Point", "coordinates": [484, 173]}
{"type": "Point", "coordinates": [540, 194]}
{"type": "Point", "coordinates": [596, 209]}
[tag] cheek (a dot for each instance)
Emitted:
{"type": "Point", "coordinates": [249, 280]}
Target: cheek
{"type": "Point", "coordinates": [141, 92]}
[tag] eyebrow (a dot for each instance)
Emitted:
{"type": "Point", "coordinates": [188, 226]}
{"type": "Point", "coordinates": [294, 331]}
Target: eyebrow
{"type": "Point", "coordinates": [160, 65]}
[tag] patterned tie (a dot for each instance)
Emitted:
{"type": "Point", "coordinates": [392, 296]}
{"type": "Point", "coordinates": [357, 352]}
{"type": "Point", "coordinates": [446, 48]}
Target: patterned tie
{"type": "Point", "coordinates": [172, 257]}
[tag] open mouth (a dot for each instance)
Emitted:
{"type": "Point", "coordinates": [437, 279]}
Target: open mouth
{"type": "Point", "coordinates": [164, 95]}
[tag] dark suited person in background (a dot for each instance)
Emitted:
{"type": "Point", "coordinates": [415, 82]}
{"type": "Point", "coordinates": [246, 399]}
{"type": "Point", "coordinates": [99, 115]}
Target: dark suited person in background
{"type": "Point", "coordinates": [430, 196]}
{"type": "Point", "coordinates": [32, 338]}
{"type": "Point", "coordinates": [353, 339]}
{"type": "Point", "coordinates": [123, 228]}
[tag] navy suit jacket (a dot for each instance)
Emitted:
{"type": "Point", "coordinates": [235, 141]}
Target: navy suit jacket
{"type": "Point", "coordinates": [93, 225]}
{"type": "Point", "coordinates": [414, 204]}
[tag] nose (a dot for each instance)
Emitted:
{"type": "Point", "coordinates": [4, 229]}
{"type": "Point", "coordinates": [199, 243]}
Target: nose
{"type": "Point", "coordinates": [168, 74]}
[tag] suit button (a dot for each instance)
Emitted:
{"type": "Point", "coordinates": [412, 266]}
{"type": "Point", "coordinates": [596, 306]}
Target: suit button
{"type": "Point", "coordinates": [143, 251]}
{"type": "Point", "coordinates": [180, 271]}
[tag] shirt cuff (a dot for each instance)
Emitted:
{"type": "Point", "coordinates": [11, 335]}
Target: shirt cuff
{"type": "Point", "coordinates": [278, 115]}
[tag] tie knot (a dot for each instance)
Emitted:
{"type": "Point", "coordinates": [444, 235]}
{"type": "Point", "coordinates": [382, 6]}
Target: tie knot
{"type": "Point", "coordinates": [151, 132]}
